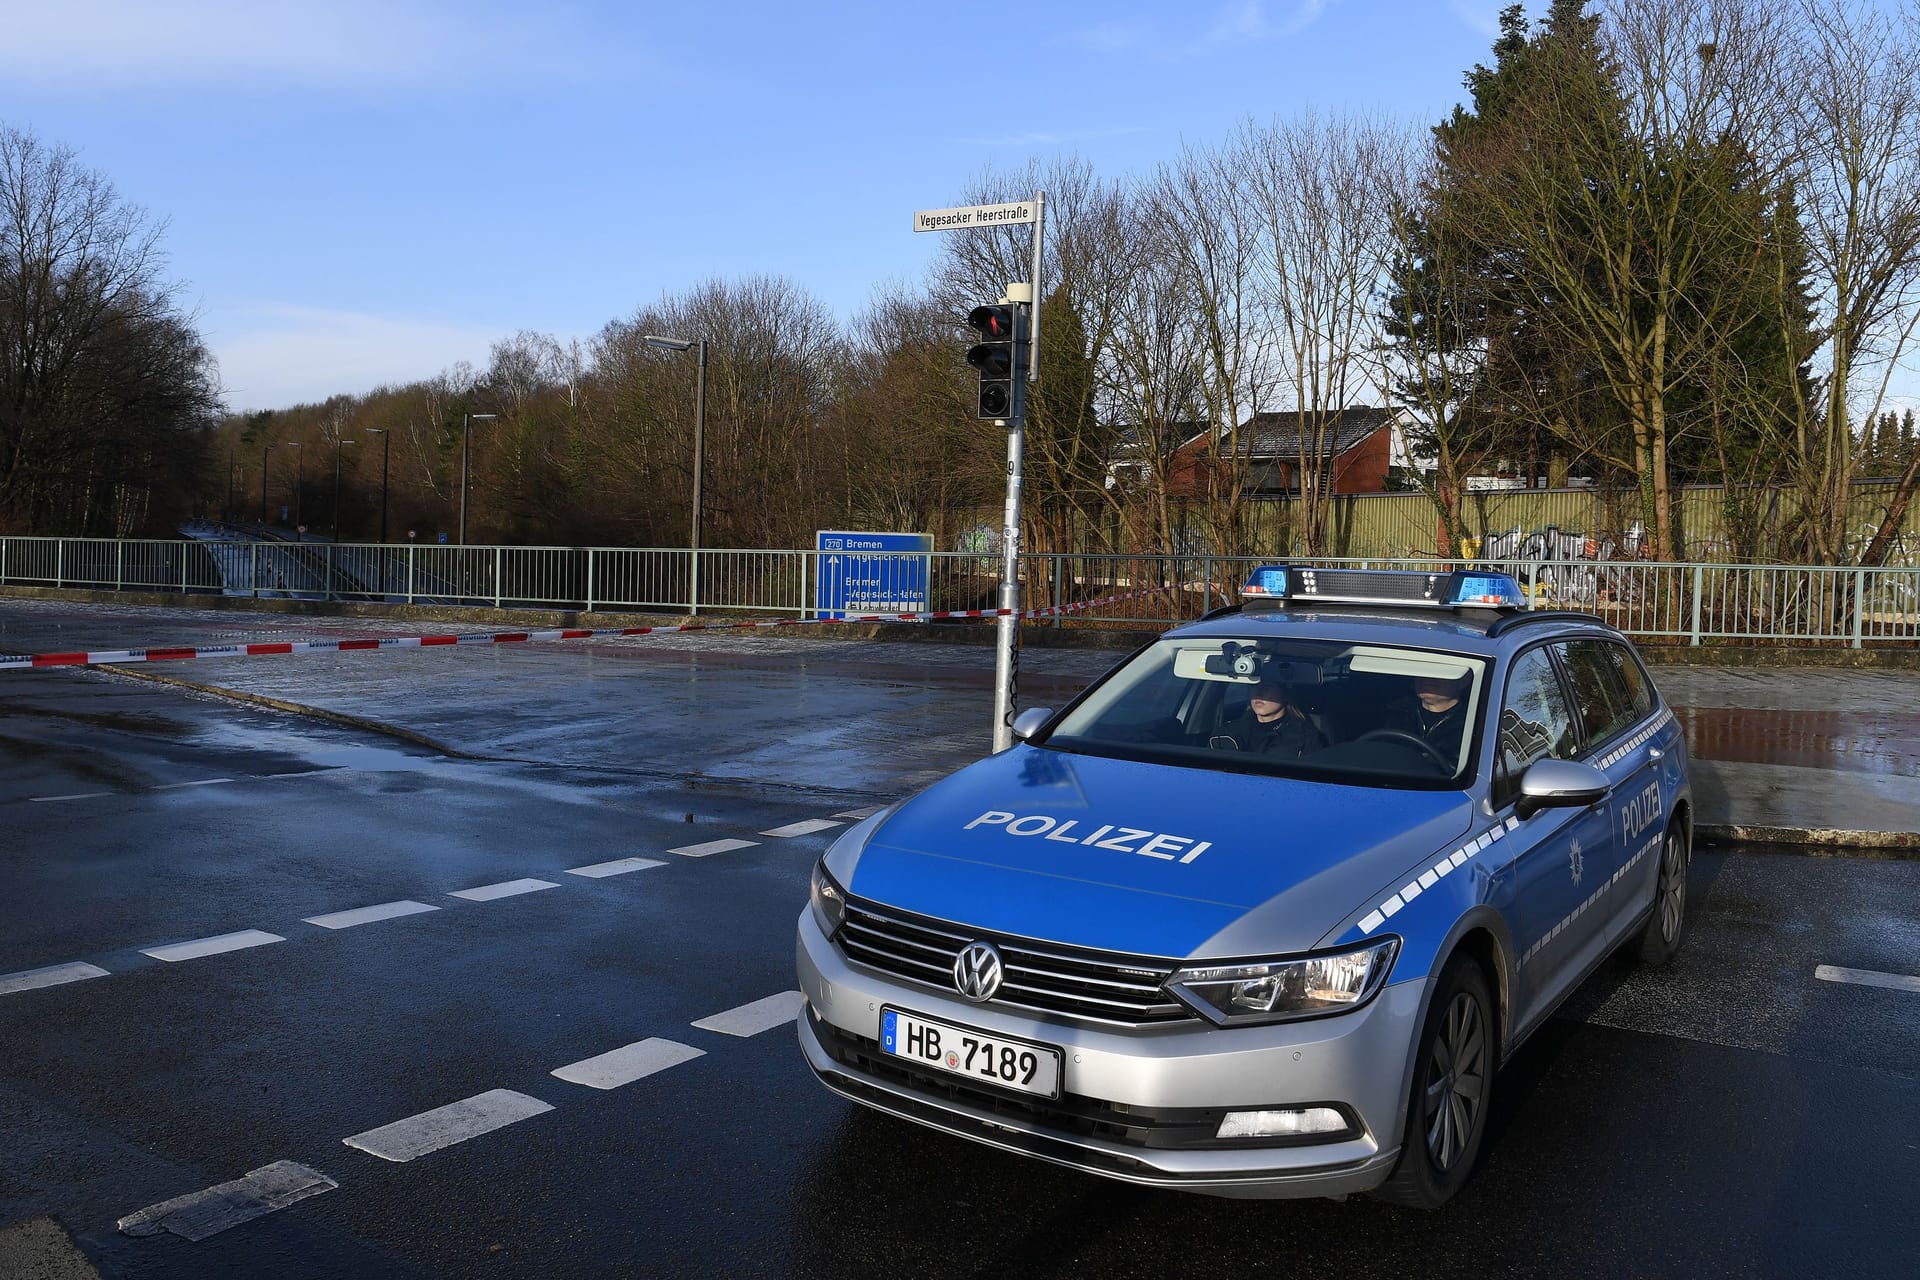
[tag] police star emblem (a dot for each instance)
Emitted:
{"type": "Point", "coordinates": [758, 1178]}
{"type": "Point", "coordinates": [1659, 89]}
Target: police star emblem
{"type": "Point", "coordinates": [1575, 863]}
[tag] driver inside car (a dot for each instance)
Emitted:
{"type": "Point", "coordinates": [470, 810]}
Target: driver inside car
{"type": "Point", "coordinates": [1273, 723]}
{"type": "Point", "coordinates": [1437, 715]}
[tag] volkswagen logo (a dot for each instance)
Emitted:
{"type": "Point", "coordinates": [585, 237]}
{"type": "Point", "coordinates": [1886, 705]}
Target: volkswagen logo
{"type": "Point", "coordinates": [976, 971]}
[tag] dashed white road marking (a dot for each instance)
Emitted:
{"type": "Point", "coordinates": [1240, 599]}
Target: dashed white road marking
{"type": "Point", "coordinates": [505, 889]}
{"type": "Point", "coordinates": [628, 1063]}
{"type": "Point", "coordinates": [51, 976]}
{"type": "Point", "coordinates": [78, 795]}
{"type": "Point", "coordinates": [752, 1019]}
{"type": "Point", "coordinates": [803, 828]}
{"type": "Point", "coordinates": [212, 946]}
{"type": "Point", "coordinates": [209, 1212]}
{"type": "Point", "coordinates": [859, 814]}
{"type": "Point", "coordinates": [1868, 978]}
{"type": "Point", "coordinates": [204, 782]}
{"type": "Point", "coordinates": [416, 1136]}
{"type": "Point", "coordinates": [712, 847]}
{"type": "Point", "coordinates": [618, 867]}
{"type": "Point", "coordinates": [368, 915]}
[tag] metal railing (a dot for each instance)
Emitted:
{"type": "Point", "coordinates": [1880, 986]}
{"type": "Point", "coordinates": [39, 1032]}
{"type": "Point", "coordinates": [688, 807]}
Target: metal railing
{"type": "Point", "coordinates": [1694, 603]}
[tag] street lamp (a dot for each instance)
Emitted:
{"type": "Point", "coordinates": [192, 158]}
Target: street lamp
{"type": "Point", "coordinates": [699, 446]}
{"type": "Point", "coordinates": [386, 449]}
{"type": "Point", "coordinates": [466, 458]}
{"type": "Point", "coordinates": [295, 444]}
{"type": "Point", "coordinates": [336, 484]}
{"type": "Point", "coordinates": [263, 485]}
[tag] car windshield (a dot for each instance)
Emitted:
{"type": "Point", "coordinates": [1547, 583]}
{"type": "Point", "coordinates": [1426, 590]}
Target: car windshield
{"type": "Point", "coordinates": [1369, 714]}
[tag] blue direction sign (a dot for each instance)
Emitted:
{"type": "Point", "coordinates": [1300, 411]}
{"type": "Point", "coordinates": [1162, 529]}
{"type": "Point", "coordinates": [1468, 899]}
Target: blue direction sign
{"type": "Point", "coordinates": [870, 573]}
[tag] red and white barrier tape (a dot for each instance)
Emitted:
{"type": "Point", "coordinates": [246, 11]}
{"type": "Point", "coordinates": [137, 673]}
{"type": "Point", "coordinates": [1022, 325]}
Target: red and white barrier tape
{"type": "Point", "coordinates": [115, 656]}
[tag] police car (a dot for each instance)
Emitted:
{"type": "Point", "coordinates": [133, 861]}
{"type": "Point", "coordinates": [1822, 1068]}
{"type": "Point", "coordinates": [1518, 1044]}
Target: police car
{"type": "Point", "coordinates": [1158, 941]}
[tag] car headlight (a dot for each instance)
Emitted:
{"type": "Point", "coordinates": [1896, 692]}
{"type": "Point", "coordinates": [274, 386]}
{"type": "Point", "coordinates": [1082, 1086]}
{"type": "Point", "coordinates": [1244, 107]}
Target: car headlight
{"type": "Point", "coordinates": [829, 900]}
{"type": "Point", "coordinates": [1279, 990]}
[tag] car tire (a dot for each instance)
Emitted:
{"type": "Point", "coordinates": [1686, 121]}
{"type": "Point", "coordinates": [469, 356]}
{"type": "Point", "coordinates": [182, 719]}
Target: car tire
{"type": "Point", "coordinates": [1447, 1109]}
{"type": "Point", "coordinates": [1666, 928]}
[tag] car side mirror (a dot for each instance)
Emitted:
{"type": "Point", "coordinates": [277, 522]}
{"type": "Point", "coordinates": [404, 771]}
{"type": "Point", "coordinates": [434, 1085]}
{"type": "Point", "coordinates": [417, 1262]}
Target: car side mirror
{"type": "Point", "coordinates": [1561, 784]}
{"type": "Point", "coordinates": [1030, 722]}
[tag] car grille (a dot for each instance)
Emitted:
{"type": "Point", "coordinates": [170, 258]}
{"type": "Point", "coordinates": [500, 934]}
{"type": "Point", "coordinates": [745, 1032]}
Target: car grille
{"type": "Point", "coordinates": [1102, 986]}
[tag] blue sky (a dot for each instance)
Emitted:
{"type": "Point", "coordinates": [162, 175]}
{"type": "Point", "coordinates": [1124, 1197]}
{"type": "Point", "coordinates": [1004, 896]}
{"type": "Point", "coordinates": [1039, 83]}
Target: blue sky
{"type": "Point", "coordinates": [361, 192]}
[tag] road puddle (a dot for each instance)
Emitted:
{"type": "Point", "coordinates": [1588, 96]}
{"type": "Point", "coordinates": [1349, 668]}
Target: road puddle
{"type": "Point", "coordinates": [1882, 742]}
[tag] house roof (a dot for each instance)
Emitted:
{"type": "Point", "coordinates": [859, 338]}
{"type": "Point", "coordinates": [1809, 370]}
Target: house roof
{"type": "Point", "coordinates": [1277, 435]}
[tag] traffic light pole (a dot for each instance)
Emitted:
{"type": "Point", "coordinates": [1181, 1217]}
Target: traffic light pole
{"type": "Point", "coordinates": [1006, 664]}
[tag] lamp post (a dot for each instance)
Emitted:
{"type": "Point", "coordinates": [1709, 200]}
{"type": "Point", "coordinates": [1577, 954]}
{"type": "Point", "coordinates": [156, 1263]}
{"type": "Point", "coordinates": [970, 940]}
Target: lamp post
{"type": "Point", "coordinates": [466, 458]}
{"type": "Point", "coordinates": [699, 448]}
{"type": "Point", "coordinates": [386, 450]}
{"type": "Point", "coordinates": [263, 483]}
{"type": "Point", "coordinates": [295, 444]}
{"type": "Point", "coordinates": [336, 484]}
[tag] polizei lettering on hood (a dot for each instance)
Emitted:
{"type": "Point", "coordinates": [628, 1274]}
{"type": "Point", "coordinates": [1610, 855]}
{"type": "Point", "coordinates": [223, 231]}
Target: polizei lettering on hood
{"type": "Point", "coordinates": [1148, 844]}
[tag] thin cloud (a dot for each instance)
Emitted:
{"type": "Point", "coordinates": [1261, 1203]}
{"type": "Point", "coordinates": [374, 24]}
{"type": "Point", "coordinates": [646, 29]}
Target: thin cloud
{"type": "Point", "coordinates": [1052, 139]}
{"type": "Point", "coordinates": [1482, 17]}
{"type": "Point", "coordinates": [342, 44]}
{"type": "Point", "coordinates": [1240, 23]}
{"type": "Point", "coordinates": [274, 356]}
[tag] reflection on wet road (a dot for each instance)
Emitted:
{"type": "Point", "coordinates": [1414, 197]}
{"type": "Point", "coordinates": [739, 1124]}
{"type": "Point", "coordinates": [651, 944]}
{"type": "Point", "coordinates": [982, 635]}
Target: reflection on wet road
{"type": "Point", "coordinates": [1882, 742]}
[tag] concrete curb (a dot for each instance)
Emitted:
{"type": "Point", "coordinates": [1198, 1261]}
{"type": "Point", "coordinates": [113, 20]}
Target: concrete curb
{"type": "Point", "coordinates": [1819, 842]}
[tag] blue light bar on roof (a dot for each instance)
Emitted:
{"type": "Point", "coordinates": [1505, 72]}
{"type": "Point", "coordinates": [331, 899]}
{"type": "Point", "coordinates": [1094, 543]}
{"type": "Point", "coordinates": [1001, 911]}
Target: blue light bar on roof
{"type": "Point", "coordinates": [1495, 590]}
{"type": "Point", "coordinates": [1268, 580]}
{"type": "Point", "coordinates": [1274, 584]}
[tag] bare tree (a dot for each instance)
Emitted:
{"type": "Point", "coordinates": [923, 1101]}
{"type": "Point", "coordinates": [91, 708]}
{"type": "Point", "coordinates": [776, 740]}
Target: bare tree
{"type": "Point", "coordinates": [1853, 78]}
{"type": "Point", "coordinates": [101, 376]}
{"type": "Point", "coordinates": [1324, 197]}
{"type": "Point", "coordinates": [1198, 217]}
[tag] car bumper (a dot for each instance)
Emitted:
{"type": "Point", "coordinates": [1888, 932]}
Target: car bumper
{"type": "Point", "coordinates": [1140, 1105]}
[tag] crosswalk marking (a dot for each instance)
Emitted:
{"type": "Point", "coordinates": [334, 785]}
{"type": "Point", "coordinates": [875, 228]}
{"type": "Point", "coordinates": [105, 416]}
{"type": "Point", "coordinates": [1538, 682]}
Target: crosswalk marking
{"type": "Point", "coordinates": [209, 1212]}
{"type": "Point", "coordinates": [368, 915]}
{"type": "Point", "coordinates": [1868, 978]}
{"type": "Point", "coordinates": [505, 889]}
{"type": "Point", "coordinates": [51, 976]}
{"type": "Point", "coordinates": [803, 828]}
{"type": "Point", "coordinates": [752, 1019]}
{"type": "Point", "coordinates": [418, 1135]}
{"type": "Point", "coordinates": [176, 951]}
{"type": "Point", "coordinates": [712, 847]}
{"type": "Point", "coordinates": [618, 867]}
{"type": "Point", "coordinates": [628, 1063]}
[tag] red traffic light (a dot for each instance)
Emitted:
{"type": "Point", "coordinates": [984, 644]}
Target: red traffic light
{"type": "Point", "coordinates": [993, 322]}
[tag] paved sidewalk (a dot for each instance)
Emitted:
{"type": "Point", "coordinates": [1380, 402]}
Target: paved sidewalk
{"type": "Point", "coordinates": [1803, 755]}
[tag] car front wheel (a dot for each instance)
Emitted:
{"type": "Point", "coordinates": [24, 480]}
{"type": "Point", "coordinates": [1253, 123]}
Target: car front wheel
{"type": "Point", "coordinates": [1452, 1085]}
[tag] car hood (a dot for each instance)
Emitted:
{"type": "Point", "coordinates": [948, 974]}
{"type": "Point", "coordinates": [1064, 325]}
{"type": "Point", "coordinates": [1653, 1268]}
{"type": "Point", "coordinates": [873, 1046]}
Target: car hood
{"type": "Point", "coordinates": [1147, 859]}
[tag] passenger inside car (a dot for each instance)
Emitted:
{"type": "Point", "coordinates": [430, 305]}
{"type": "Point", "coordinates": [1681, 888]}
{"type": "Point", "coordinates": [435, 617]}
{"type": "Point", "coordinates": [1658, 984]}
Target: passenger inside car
{"type": "Point", "coordinates": [1272, 724]}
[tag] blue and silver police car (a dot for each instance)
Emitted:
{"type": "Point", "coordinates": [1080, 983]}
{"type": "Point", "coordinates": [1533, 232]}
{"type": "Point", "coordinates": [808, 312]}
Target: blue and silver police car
{"type": "Point", "coordinates": [1263, 910]}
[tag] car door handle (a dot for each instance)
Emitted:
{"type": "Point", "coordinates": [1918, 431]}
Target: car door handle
{"type": "Point", "coordinates": [1655, 755]}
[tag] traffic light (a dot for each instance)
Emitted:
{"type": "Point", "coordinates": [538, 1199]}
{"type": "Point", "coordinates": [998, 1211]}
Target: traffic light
{"type": "Point", "coordinates": [1001, 329]}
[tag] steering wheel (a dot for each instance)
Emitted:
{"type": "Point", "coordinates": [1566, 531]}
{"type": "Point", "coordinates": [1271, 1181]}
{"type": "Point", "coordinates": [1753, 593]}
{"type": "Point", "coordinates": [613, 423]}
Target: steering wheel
{"type": "Point", "coordinates": [1410, 739]}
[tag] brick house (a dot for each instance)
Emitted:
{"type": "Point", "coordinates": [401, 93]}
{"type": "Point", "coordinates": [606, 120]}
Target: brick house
{"type": "Point", "coordinates": [1356, 448]}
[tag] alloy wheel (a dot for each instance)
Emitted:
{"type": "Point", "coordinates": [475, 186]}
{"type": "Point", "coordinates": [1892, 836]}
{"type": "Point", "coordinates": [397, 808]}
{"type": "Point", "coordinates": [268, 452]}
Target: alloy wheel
{"type": "Point", "coordinates": [1456, 1081]}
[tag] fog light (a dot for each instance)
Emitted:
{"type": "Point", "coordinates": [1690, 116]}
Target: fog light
{"type": "Point", "coordinates": [1282, 1124]}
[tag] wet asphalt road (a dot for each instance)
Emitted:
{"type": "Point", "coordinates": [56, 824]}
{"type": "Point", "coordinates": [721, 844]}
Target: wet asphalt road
{"type": "Point", "coordinates": [1729, 1116]}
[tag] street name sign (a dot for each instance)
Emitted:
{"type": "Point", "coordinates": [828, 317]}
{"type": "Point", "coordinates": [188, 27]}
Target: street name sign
{"type": "Point", "coordinates": [859, 572]}
{"type": "Point", "coordinates": [977, 215]}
